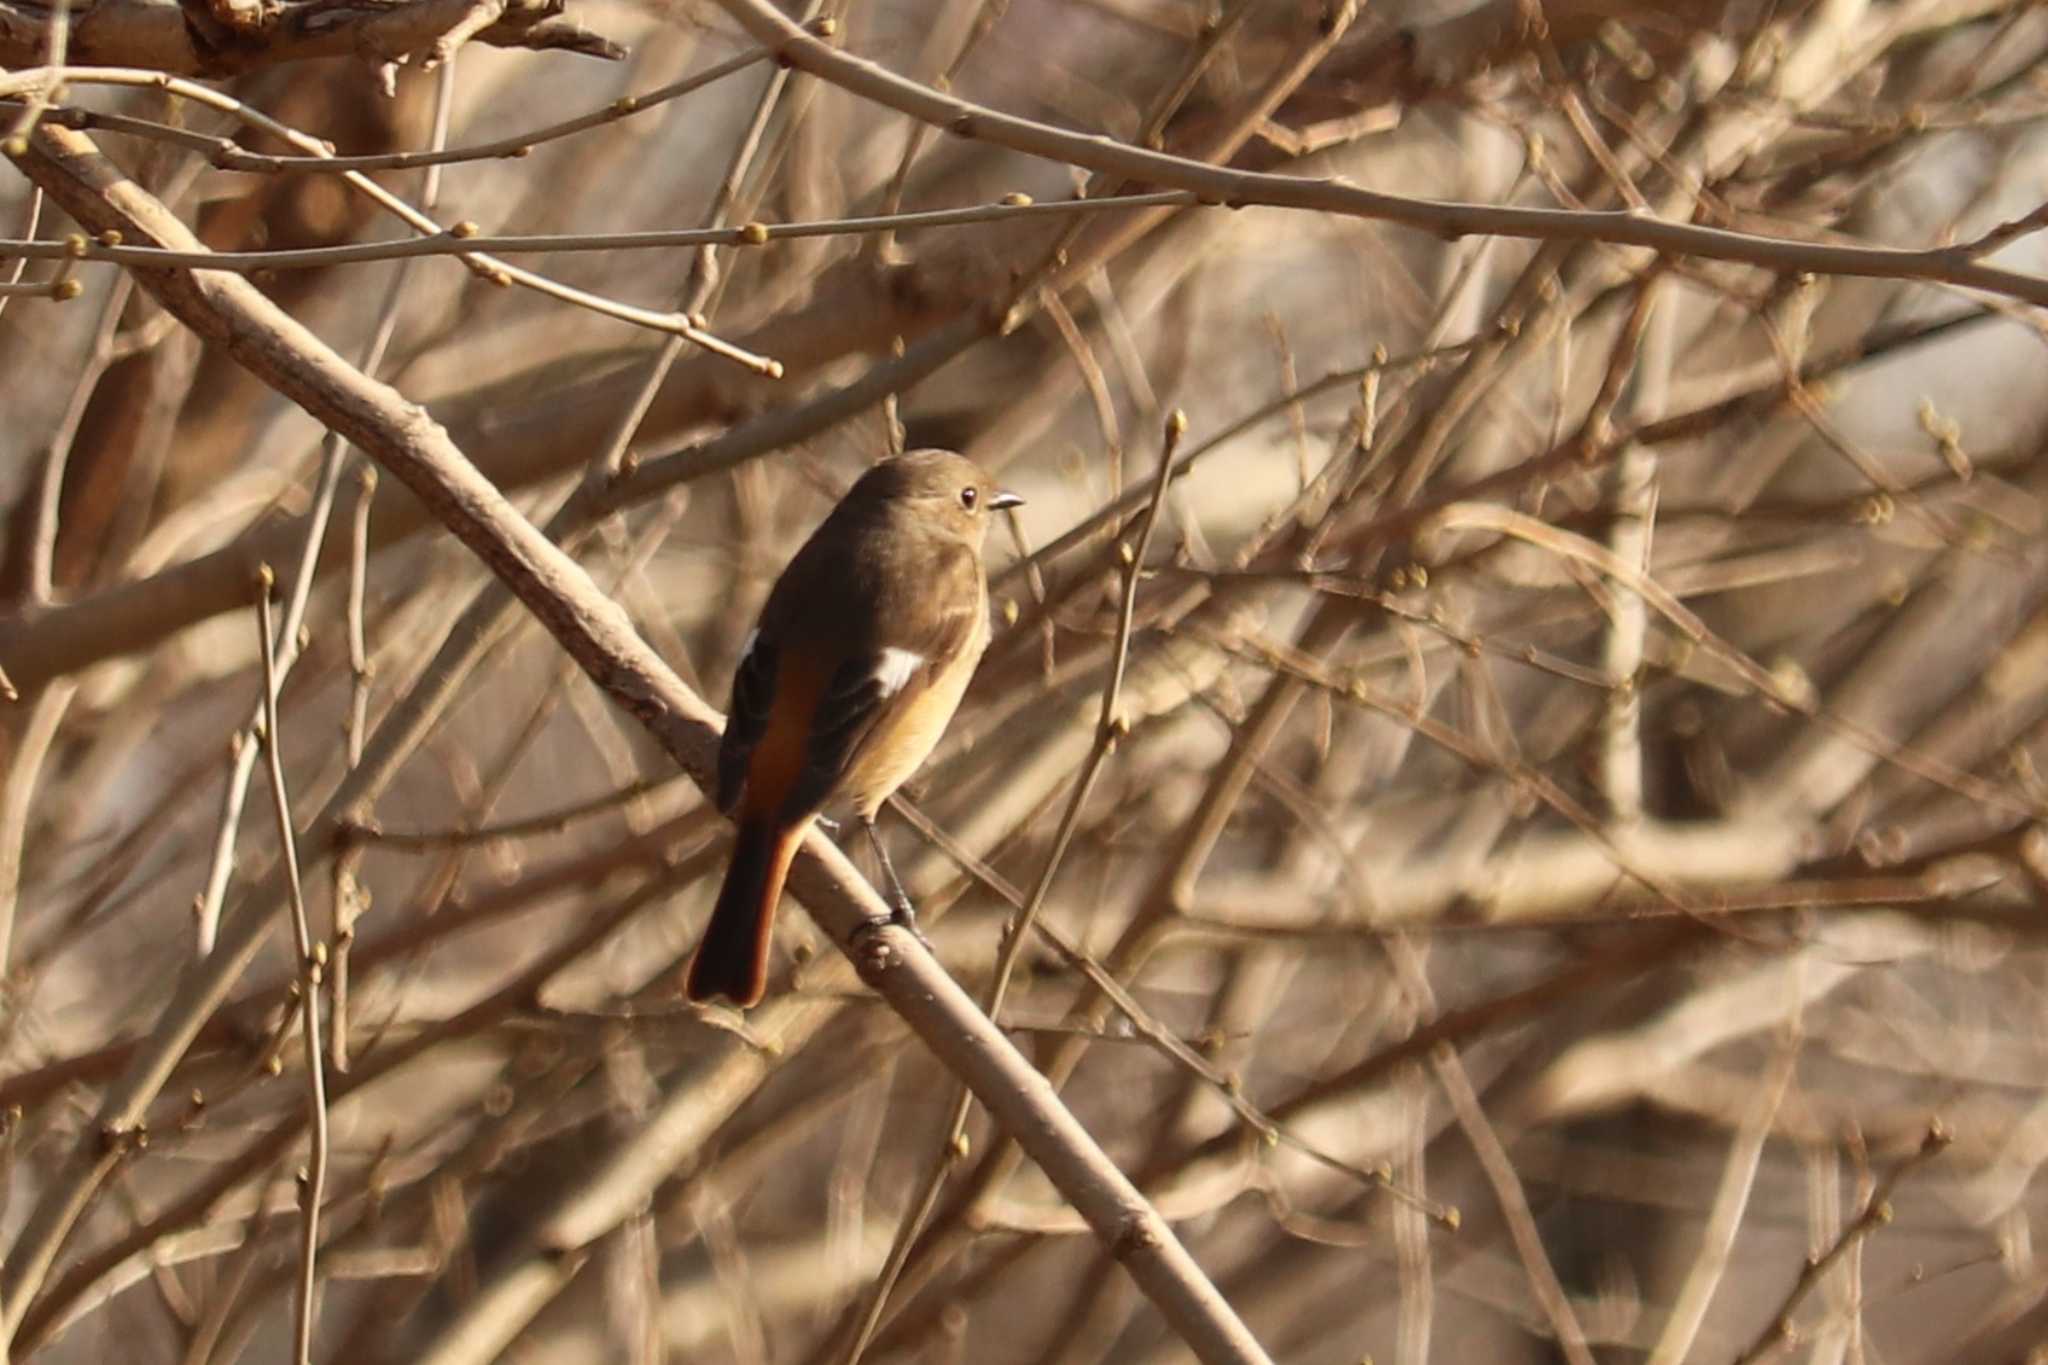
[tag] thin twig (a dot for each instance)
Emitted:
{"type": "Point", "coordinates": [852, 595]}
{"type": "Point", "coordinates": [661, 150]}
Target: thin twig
{"type": "Point", "coordinates": [552, 822]}
{"type": "Point", "coordinates": [463, 240]}
{"type": "Point", "coordinates": [242, 748]}
{"type": "Point", "coordinates": [1724, 1220]}
{"type": "Point", "coordinates": [349, 897]}
{"type": "Point", "coordinates": [34, 740]}
{"type": "Point", "coordinates": [49, 504]}
{"type": "Point", "coordinates": [1646, 339]}
{"type": "Point", "coordinates": [359, 666]}
{"type": "Point", "coordinates": [334, 463]}
{"type": "Point", "coordinates": [1877, 1212]}
{"type": "Point", "coordinates": [1514, 1204]}
{"type": "Point", "coordinates": [32, 219]}
{"type": "Point", "coordinates": [313, 1182]}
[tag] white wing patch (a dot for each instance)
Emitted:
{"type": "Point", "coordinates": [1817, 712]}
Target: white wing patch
{"type": "Point", "coordinates": [747, 646]}
{"type": "Point", "coordinates": [896, 668]}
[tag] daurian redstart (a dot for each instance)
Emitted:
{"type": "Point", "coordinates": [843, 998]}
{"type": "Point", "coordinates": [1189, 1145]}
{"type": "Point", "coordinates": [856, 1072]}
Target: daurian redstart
{"type": "Point", "coordinates": [847, 681]}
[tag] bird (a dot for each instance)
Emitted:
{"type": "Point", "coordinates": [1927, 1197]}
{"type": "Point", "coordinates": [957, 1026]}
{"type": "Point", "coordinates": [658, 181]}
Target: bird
{"type": "Point", "coordinates": [857, 663]}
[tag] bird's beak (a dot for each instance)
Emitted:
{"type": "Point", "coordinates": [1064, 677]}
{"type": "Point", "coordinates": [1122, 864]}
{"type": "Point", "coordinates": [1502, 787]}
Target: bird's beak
{"type": "Point", "coordinates": [1004, 498]}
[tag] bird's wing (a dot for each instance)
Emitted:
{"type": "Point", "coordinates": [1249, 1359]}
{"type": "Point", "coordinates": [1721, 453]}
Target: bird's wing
{"type": "Point", "coordinates": [871, 685]}
{"type": "Point", "coordinates": [753, 694]}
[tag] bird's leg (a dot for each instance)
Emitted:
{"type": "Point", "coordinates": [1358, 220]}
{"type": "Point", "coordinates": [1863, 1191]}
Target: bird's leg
{"type": "Point", "coordinates": [902, 913]}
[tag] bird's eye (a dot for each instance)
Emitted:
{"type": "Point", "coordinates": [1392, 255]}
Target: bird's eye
{"type": "Point", "coordinates": [969, 496]}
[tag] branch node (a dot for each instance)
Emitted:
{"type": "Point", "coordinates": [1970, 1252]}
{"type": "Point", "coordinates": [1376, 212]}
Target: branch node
{"type": "Point", "coordinates": [1135, 1237]}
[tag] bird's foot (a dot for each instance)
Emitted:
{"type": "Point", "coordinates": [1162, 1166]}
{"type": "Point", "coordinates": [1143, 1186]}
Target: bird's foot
{"type": "Point", "coordinates": [904, 916]}
{"type": "Point", "coordinates": [901, 916]}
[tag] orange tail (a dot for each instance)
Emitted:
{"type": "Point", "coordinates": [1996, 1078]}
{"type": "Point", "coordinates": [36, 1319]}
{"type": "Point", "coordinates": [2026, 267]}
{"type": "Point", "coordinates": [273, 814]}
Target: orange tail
{"type": "Point", "coordinates": [732, 961]}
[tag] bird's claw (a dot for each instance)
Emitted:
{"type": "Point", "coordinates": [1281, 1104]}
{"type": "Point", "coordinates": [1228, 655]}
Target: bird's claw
{"type": "Point", "coordinates": [903, 916]}
{"type": "Point", "coordinates": [900, 916]}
